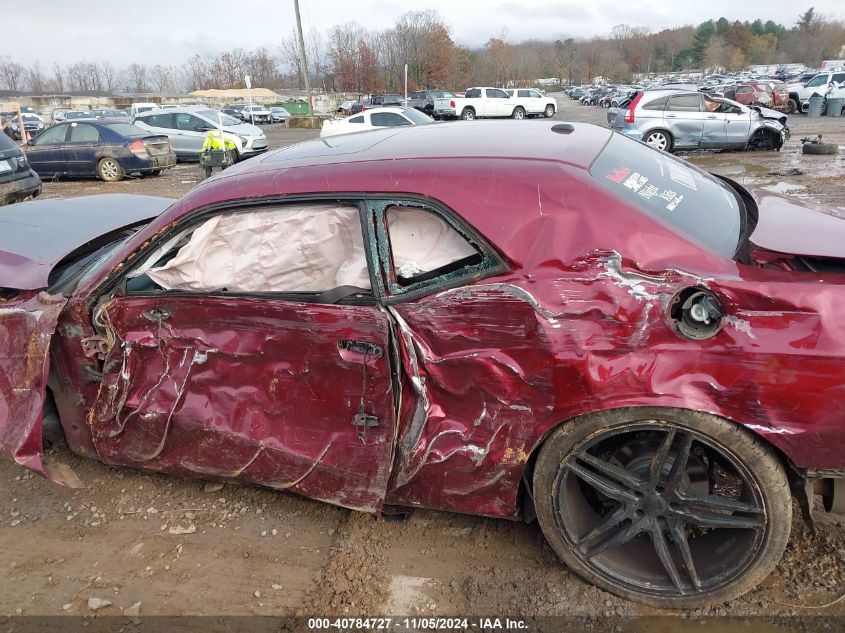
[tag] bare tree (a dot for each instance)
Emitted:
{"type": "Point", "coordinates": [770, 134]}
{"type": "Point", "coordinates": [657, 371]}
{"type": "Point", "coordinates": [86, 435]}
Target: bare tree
{"type": "Point", "coordinates": [136, 78]}
{"type": "Point", "coordinates": [11, 74]}
{"type": "Point", "coordinates": [36, 78]}
{"type": "Point", "coordinates": [59, 77]}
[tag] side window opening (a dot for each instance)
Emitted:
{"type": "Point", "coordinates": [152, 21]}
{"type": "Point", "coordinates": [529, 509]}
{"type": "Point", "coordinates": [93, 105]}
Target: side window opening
{"type": "Point", "coordinates": [424, 249]}
{"type": "Point", "coordinates": [292, 249]}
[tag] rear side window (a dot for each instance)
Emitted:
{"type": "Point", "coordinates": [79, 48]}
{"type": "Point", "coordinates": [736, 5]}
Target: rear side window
{"type": "Point", "coordinates": [475, 93]}
{"type": "Point", "coordinates": [685, 103]}
{"type": "Point", "coordinates": [657, 104]}
{"type": "Point", "coordinates": [839, 77]}
{"type": "Point", "coordinates": [357, 119]}
{"type": "Point", "coordinates": [159, 120]}
{"type": "Point", "coordinates": [685, 198]}
{"type": "Point", "coordinates": [81, 133]}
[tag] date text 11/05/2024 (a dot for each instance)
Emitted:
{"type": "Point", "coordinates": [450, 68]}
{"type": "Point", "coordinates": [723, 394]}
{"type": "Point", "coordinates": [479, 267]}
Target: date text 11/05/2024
{"type": "Point", "coordinates": [415, 624]}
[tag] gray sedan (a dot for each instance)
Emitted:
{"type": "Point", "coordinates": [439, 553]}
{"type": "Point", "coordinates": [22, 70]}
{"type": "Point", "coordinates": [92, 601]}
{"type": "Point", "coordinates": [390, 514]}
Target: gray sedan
{"type": "Point", "coordinates": [685, 120]}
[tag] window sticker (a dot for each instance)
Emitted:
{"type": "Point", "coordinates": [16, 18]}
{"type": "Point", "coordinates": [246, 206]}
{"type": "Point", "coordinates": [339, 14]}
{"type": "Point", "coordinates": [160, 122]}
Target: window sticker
{"type": "Point", "coordinates": [635, 181]}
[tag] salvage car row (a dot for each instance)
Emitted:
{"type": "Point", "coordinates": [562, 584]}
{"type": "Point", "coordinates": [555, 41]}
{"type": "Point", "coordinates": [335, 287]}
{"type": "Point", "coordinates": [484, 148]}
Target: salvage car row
{"type": "Point", "coordinates": [112, 148]}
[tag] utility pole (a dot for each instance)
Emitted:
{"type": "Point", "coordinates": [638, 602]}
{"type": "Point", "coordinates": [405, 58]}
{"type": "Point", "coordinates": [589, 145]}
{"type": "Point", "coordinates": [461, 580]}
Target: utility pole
{"type": "Point", "coordinates": [305, 77]}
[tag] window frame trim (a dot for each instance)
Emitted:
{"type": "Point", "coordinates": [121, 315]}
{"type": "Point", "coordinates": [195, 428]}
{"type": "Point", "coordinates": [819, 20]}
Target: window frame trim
{"type": "Point", "coordinates": [377, 240]}
{"type": "Point", "coordinates": [113, 284]}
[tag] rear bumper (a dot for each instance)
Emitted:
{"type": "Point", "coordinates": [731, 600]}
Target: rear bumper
{"type": "Point", "coordinates": [20, 189]}
{"type": "Point", "coordinates": [132, 163]}
{"type": "Point", "coordinates": [444, 112]}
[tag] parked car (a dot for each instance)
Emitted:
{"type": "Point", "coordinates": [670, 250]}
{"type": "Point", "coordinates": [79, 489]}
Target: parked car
{"type": "Point", "coordinates": [646, 380]}
{"type": "Point", "coordinates": [423, 100]}
{"type": "Point", "coordinates": [256, 114]}
{"type": "Point", "coordinates": [480, 103]}
{"type": "Point", "coordinates": [107, 113]}
{"type": "Point", "coordinates": [107, 150]}
{"type": "Point", "coordinates": [768, 94]}
{"type": "Point", "coordinates": [17, 179]}
{"type": "Point", "coordinates": [137, 108]}
{"type": "Point", "coordinates": [232, 112]}
{"type": "Point", "coordinates": [678, 119]}
{"type": "Point", "coordinates": [799, 95]}
{"type": "Point", "coordinates": [58, 114]}
{"type": "Point", "coordinates": [345, 107]}
{"type": "Point", "coordinates": [78, 115]}
{"type": "Point", "coordinates": [534, 102]}
{"type": "Point", "coordinates": [374, 119]}
{"type": "Point", "coordinates": [278, 114]}
{"type": "Point", "coordinates": [31, 123]}
{"type": "Point", "coordinates": [188, 127]}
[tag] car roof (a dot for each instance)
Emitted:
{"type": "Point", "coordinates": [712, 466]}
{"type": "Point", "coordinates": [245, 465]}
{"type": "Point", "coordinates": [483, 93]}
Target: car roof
{"type": "Point", "coordinates": [480, 139]}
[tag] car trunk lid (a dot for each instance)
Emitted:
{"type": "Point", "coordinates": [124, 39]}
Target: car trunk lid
{"type": "Point", "coordinates": [157, 145]}
{"type": "Point", "coordinates": [795, 227]}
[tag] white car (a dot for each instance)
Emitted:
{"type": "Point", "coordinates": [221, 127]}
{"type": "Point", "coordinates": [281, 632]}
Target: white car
{"type": "Point", "coordinates": [373, 120]}
{"type": "Point", "coordinates": [534, 102]}
{"type": "Point", "coordinates": [256, 114]}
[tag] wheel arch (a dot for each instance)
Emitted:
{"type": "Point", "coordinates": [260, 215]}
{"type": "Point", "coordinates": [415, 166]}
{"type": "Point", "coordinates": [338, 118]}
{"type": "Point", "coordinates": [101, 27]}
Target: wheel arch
{"type": "Point", "coordinates": [525, 494]}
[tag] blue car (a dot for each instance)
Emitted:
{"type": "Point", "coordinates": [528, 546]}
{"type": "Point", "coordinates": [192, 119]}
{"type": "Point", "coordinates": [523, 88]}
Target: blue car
{"type": "Point", "coordinates": [106, 149]}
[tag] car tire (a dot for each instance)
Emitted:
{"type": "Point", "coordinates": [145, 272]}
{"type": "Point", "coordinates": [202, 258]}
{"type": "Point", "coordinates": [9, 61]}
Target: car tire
{"type": "Point", "coordinates": [549, 112]}
{"type": "Point", "coordinates": [820, 149]}
{"type": "Point", "coordinates": [793, 107]}
{"type": "Point", "coordinates": [518, 113]}
{"type": "Point", "coordinates": [468, 114]}
{"type": "Point", "coordinates": [616, 509]}
{"type": "Point", "coordinates": [109, 170]}
{"type": "Point", "coordinates": [659, 139]}
{"type": "Point", "coordinates": [155, 172]}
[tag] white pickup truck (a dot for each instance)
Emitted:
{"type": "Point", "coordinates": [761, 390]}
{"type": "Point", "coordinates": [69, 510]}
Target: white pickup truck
{"type": "Point", "coordinates": [799, 96]}
{"type": "Point", "coordinates": [535, 102]}
{"type": "Point", "coordinates": [478, 103]}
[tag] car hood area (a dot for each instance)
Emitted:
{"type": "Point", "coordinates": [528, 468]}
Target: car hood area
{"type": "Point", "coordinates": [788, 225]}
{"type": "Point", "coordinates": [35, 236]}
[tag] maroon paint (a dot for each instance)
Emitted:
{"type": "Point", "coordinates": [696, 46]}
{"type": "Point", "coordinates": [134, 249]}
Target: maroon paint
{"type": "Point", "coordinates": [26, 327]}
{"type": "Point", "coordinates": [487, 369]}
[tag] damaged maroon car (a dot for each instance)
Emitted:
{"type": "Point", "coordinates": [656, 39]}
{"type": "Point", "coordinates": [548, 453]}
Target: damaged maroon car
{"type": "Point", "coordinates": [645, 357]}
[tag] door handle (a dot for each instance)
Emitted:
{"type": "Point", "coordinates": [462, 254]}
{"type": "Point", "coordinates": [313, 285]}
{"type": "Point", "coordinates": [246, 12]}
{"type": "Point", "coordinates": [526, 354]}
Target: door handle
{"type": "Point", "coordinates": [671, 116]}
{"type": "Point", "coordinates": [712, 116]}
{"type": "Point", "coordinates": [360, 347]}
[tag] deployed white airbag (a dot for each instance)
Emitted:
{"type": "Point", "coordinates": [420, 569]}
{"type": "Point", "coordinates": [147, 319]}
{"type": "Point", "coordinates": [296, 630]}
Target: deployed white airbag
{"type": "Point", "coordinates": [288, 249]}
{"type": "Point", "coordinates": [421, 242]}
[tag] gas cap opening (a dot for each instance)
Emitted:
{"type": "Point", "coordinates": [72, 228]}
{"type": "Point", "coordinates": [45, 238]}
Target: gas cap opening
{"type": "Point", "coordinates": [697, 313]}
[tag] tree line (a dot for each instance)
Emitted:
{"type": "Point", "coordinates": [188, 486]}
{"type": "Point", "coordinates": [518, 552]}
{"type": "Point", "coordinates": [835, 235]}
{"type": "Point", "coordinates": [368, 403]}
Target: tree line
{"type": "Point", "coordinates": [350, 58]}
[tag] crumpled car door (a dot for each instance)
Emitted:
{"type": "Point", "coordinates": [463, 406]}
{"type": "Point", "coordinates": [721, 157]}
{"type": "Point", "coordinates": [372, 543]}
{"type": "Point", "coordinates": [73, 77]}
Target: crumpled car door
{"type": "Point", "coordinates": [293, 396]}
{"type": "Point", "coordinates": [27, 323]}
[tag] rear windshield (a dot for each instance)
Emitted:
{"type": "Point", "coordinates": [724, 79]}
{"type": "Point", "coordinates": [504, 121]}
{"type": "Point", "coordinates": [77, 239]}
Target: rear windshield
{"type": "Point", "coordinates": [127, 129]}
{"type": "Point", "coordinates": [685, 198]}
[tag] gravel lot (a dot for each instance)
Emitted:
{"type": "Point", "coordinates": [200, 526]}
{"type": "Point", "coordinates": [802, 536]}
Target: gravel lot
{"type": "Point", "coordinates": [185, 547]}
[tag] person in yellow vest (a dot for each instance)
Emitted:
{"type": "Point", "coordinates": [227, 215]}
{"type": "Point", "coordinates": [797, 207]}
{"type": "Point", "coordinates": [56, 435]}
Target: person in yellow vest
{"type": "Point", "coordinates": [215, 141]}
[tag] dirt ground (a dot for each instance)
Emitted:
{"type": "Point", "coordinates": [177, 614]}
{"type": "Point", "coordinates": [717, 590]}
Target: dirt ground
{"type": "Point", "coordinates": [185, 547]}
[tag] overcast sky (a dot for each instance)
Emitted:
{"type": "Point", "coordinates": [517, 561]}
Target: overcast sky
{"type": "Point", "coordinates": [169, 31]}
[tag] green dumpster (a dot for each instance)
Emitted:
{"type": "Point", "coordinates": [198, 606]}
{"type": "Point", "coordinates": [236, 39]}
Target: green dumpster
{"type": "Point", "coordinates": [297, 108]}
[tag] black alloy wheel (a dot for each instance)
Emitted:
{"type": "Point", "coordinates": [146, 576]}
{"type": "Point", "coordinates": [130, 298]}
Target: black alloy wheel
{"type": "Point", "coordinates": [667, 507]}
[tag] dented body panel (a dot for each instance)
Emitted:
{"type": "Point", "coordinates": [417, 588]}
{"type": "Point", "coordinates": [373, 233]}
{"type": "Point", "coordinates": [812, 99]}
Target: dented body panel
{"type": "Point", "coordinates": [474, 376]}
{"type": "Point", "coordinates": [27, 324]}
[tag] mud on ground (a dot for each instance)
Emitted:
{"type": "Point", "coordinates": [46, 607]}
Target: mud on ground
{"type": "Point", "coordinates": [184, 547]}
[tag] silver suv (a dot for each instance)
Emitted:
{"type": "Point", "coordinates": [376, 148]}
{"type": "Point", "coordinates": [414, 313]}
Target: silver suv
{"type": "Point", "coordinates": [188, 126]}
{"type": "Point", "coordinates": [669, 120]}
